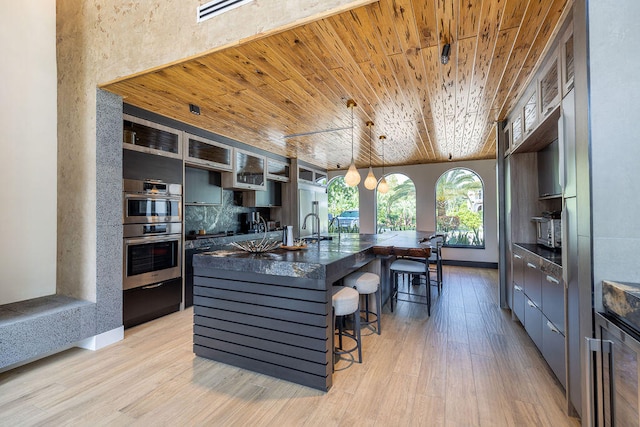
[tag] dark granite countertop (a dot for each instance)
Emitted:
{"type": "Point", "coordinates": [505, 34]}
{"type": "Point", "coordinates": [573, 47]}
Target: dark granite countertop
{"type": "Point", "coordinates": [223, 240]}
{"type": "Point", "coordinates": [548, 254]}
{"type": "Point", "coordinates": [623, 301]}
{"type": "Point", "coordinates": [312, 262]}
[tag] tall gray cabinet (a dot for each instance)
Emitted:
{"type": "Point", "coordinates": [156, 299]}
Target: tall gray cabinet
{"type": "Point", "coordinates": [538, 144]}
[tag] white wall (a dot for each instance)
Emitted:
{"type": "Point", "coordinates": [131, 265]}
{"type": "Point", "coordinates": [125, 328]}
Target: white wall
{"type": "Point", "coordinates": [424, 177]}
{"type": "Point", "coordinates": [28, 161]}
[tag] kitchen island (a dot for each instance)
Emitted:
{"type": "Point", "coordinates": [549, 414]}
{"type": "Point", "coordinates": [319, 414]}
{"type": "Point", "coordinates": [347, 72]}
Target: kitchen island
{"type": "Point", "coordinates": [271, 312]}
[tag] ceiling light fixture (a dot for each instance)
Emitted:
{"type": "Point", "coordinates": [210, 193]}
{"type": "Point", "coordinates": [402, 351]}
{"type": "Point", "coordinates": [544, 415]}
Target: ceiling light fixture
{"type": "Point", "coordinates": [370, 181]}
{"type": "Point", "coordinates": [352, 178]}
{"type": "Point", "coordinates": [446, 49]}
{"type": "Point", "coordinates": [383, 187]}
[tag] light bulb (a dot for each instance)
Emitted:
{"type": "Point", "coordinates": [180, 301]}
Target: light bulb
{"type": "Point", "coordinates": [370, 181]}
{"type": "Point", "coordinates": [383, 187]}
{"type": "Point", "coordinates": [352, 178]}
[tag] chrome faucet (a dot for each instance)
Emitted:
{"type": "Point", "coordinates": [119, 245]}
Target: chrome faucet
{"type": "Point", "coordinates": [304, 223]}
{"type": "Point", "coordinates": [339, 228]}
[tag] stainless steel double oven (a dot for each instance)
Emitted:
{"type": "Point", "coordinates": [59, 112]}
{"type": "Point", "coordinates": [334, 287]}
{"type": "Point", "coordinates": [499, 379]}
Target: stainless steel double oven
{"type": "Point", "coordinates": [152, 249]}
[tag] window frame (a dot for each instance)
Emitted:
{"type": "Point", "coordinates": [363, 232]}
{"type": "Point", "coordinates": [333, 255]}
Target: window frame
{"type": "Point", "coordinates": [482, 211]}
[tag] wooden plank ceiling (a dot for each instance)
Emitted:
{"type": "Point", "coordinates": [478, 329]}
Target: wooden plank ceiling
{"type": "Point", "coordinates": [385, 56]}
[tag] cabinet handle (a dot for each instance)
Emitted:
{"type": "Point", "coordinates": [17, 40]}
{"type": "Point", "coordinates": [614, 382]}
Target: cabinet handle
{"type": "Point", "coordinates": [530, 265]}
{"type": "Point", "coordinates": [531, 304]}
{"type": "Point", "coordinates": [517, 288]}
{"type": "Point", "coordinates": [517, 256]}
{"type": "Point", "coordinates": [157, 285]}
{"type": "Point", "coordinates": [552, 280]}
{"type": "Point", "coordinates": [552, 327]}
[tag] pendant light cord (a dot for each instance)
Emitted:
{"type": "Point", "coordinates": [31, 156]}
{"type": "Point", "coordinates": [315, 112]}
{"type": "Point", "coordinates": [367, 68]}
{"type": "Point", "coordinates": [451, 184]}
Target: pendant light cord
{"type": "Point", "coordinates": [352, 134]}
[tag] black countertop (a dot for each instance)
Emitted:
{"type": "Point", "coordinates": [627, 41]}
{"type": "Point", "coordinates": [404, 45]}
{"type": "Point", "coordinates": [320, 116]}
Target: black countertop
{"type": "Point", "coordinates": [548, 254]}
{"type": "Point", "coordinates": [311, 262]}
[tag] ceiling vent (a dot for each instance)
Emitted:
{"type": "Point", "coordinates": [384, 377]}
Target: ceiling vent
{"type": "Point", "coordinates": [216, 7]}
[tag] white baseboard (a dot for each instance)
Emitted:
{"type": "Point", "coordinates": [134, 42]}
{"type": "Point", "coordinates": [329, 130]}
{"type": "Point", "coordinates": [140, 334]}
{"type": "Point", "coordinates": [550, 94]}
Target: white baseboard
{"type": "Point", "coordinates": [102, 340]}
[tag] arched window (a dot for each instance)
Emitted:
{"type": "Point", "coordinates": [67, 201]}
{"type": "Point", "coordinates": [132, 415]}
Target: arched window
{"type": "Point", "coordinates": [396, 209]}
{"type": "Point", "coordinates": [459, 211]}
{"type": "Point", "coordinates": [343, 206]}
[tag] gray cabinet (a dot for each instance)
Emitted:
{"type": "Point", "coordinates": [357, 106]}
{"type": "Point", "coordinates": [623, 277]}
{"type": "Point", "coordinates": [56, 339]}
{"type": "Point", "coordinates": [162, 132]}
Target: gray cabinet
{"type": "Point", "coordinates": [553, 349]}
{"type": "Point", "coordinates": [206, 152]}
{"type": "Point", "coordinates": [533, 322]}
{"type": "Point", "coordinates": [567, 141]}
{"type": "Point", "coordinates": [249, 171]}
{"type": "Point", "coordinates": [549, 87]}
{"type": "Point", "coordinates": [532, 285]}
{"type": "Point", "coordinates": [540, 304]}
{"type": "Point", "coordinates": [553, 299]}
{"type": "Point", "coordinates": [518, 286]}
{"type": "Point", "coordinates": [271, 197]}
{"type": "Point", "coordinates": [530, 113]}
{"type": "Point", "coordinates": [202, 186]}
{"type": "Point", "coordinates": [277, 170]}
{"type": "Point", "coordinates": [149, 137]}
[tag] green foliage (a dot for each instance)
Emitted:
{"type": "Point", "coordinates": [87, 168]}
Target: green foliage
{"type": "Point", "coordinates": [341, 197]}
{"type": "Point", "coordinates": [397, 208]}
{"type": "Point", "coordinates": [456, 191]}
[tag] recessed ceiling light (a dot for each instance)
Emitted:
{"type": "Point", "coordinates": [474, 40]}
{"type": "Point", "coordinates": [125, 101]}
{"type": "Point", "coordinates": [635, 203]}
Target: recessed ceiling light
{"type": "Point", "coordinates": [194, 109]}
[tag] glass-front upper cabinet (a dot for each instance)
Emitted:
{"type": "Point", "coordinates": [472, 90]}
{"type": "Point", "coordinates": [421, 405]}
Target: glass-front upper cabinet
{"type": "Point", "coordinates": [249, 171]}
{"type": "Point", "coordinates": [312, 176]}
{"type": "Point", "coordinates": [277, 170]}
{"type": "Point", "coordinates": [208, 153]}
{"type": "Point", "coordinates": [549, 88]}
{"type": "Point", "coordinates": [566, 56]}
{"type": "Point", "coordinates": [530, 113]}
{"type": "Point", "coordinates": [516, 129]}
{"type": "Point", "coordinates": [507, 139]}
{"type": "Point", "coordinates": [148, 137]}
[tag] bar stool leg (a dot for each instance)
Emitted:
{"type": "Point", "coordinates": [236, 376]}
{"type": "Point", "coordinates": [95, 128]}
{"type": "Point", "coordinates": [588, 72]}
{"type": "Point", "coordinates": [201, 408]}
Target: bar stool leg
{"type": "Point", "coordinates": [379, 306]}
{"type": "Point", "coordinates": [356, 315]}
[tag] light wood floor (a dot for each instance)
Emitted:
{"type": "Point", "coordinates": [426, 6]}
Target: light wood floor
{"type": "Point", "coordinates": [468, 364]}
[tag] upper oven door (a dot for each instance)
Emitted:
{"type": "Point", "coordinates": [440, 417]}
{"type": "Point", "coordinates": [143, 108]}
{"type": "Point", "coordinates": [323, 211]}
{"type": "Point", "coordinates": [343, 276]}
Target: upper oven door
{"type": "Point", "coordinates": [145, 209]}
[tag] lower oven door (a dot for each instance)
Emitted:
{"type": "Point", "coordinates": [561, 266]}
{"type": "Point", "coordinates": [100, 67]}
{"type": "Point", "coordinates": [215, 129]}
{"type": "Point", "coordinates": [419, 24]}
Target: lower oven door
{"type": "Point", "coordinates": [151, 259]}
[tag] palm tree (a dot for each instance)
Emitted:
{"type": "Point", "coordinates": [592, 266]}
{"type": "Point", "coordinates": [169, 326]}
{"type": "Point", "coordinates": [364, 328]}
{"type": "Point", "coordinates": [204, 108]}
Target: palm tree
{"type": "Point", "coordinates": [452, 185]}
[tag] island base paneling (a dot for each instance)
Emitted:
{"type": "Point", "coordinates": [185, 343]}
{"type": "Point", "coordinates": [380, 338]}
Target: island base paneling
{"type": "Point", "coordinates": [275, 325]}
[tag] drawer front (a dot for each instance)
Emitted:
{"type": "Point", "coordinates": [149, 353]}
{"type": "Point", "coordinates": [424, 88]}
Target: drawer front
{"type": "Point", "coordinates": [553, 300]}
{"type": "Point", "coordinates": [532, 285]}
{"type": "Point", "coordinates": [518, 302]}
{"type": "Point", "coordinates": [518, 269]}
{"type": "Point", "coordinates": [533, 322]}
{"type": "Point", "coordinates": [146, 303]}
{"type": "Point", "coordinates": [553, 349]}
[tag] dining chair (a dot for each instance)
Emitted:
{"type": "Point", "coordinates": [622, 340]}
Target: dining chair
{"type": "Point", "coordinates": [415, 263]}
{"type": "Point", "coordinates": [436, 241]}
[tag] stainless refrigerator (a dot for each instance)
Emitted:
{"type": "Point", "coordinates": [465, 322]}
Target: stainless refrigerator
{"type": "Point", "coordinates": [313, 199]}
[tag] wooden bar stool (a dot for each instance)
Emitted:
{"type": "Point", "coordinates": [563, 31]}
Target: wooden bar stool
{"type": "Point", "coordinates": [346, 301]}
{"type": "Point", "coordinates": [367, 283]}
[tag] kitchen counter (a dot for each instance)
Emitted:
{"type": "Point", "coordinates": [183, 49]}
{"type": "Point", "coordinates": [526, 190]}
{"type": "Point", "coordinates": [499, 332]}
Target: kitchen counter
{"type": "Point", "coordinates": [548, 254]}
{"type": "Point", "coordinates": [219, 240]}
{"type": "Point", "coordinates": [272, 312]}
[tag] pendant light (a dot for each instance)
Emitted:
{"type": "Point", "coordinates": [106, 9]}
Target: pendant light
{"type": "Point", "coordinates": [352, 178]}
{"type": "Point", "coordinates": [370, 181]}
{"type": "Point", "coordinates": [383, 187]}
